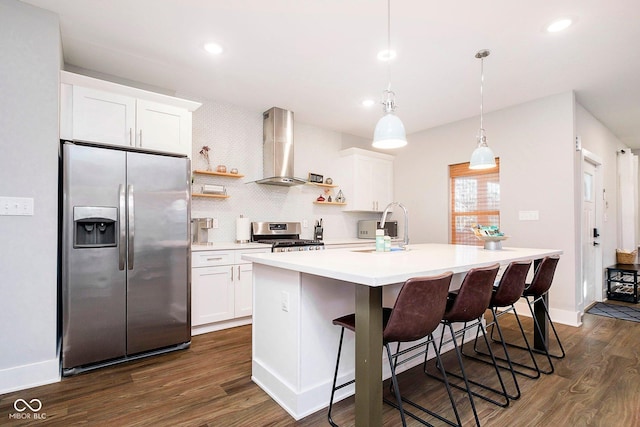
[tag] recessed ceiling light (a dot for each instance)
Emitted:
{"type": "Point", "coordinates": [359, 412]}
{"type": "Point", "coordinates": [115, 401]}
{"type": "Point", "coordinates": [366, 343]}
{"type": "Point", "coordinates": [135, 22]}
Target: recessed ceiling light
{"type": "Point", "coordinates": [368, 103]}
{"type": "Point", "coordinates": [559, 25]}
{"type": "Point", "coordinates": [213, 48]}
{"type": "Point", "coordinates": [386, 55]}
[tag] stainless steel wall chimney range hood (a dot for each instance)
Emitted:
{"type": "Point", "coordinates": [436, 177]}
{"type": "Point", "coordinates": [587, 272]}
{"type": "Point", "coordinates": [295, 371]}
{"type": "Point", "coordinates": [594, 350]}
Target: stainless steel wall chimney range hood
{"type": "Point", "coordinates": [277, 138]}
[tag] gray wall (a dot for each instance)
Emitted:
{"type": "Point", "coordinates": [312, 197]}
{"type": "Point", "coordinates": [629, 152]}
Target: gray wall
{"type": "Point", "coordinates": [535, 144]}
{"type": "Point", "coordinates": [31, 58]}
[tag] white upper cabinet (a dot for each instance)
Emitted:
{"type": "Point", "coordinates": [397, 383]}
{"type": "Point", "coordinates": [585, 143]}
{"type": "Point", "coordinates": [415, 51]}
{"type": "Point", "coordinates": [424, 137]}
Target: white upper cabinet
{"type": "Point", "coordinates": [108, 113]}
{"type": "Point", "coordinates": [103, 117]}
{"type": "Point", "coordinates": [163, 127]}
{"type": "Point", "coordinates": [366, 179]}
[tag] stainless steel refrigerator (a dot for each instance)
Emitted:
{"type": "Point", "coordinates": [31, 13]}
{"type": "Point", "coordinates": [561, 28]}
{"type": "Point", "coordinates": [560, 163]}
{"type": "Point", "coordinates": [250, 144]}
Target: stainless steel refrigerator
{"type": "Point", "coordinates": [125, 249]}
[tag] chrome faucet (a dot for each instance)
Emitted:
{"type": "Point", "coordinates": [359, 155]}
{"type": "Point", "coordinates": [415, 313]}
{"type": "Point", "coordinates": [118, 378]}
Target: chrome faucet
{"type": "Point", "coordinates": [405, 242]}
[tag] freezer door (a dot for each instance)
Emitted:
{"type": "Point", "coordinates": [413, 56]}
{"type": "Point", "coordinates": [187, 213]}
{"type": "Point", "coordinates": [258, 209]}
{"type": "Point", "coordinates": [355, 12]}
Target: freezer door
{"type": "Point", "coordinates": [93, 290]}
{"type": "Point", "coordinates": [158, 252]}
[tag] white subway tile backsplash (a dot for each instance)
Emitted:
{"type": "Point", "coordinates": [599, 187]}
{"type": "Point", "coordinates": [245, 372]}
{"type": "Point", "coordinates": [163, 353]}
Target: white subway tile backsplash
{"type": "Point", "coordinates": [234, 137]}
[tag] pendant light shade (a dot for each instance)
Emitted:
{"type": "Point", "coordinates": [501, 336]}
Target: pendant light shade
{"type": "Point", "coordinates": [482, 157]}
{"type": "Point", "coordinates": [389, 132]}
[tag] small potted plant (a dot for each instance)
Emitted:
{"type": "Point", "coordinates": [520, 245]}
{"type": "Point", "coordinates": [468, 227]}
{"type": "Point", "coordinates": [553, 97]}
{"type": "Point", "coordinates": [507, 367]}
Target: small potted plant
{"type": "Point", "coordinates": [204, 152]}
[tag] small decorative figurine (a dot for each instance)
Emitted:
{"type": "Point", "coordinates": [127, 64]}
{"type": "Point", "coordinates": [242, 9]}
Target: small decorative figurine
{"type": "Point", "coordinates": [320, 198]}
{"type": "Point", "coordinates": [204, 152]}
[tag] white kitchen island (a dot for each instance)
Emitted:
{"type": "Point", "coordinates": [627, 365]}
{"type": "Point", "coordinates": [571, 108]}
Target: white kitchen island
{"type": "Point", "coordinates": [298, 294]}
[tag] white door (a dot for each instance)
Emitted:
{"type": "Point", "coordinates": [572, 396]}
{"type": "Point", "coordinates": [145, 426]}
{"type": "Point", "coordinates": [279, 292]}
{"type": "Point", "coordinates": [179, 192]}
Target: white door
{"type": "Point", "coordinates": [103, 117]}
{"type": "Point", "coordinates": [212, 295]}
{"type": "Point", "coordinates": [591, 286]}
{"type": "Point", "coordinates": [163, 127]}
{"type": "Point", "coordinates": [243, 281]}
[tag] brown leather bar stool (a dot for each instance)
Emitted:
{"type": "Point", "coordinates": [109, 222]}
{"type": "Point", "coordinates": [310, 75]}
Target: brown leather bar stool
{"type": "Point", "coordinates": [534, 293]}
{"type": "Point", "coordinates": [416, 314]}
{"type": "Point", "coordinates": [468, 304]}
{"type": "Point", "coordinates": [503, 297]}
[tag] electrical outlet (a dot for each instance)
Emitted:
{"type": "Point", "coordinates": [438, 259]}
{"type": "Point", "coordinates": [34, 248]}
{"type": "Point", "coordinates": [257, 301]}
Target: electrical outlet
{"type": "Point", "coordinates": [284, 301]}
{"type": "Point", "coordinates": [305, 223]}
{"type": "Point", "coordinates": [215, 222]}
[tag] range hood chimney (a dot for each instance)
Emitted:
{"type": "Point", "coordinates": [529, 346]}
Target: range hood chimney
{"type": "Point", "coordinates": [277, 139]}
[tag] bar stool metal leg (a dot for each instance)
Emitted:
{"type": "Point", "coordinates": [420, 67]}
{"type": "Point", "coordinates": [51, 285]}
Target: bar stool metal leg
{"type": "Point", "coordinates": [335, 378]}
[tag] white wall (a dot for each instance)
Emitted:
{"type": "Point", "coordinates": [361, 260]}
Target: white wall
{"type": "Point", "coordinates": [30, 50]}
{"type": "Point", "coordinates": [535, 144]}
{"type": "Point", "coordinates": [599, 140]}
{"type": "Point", "coordinates": [234, 137]}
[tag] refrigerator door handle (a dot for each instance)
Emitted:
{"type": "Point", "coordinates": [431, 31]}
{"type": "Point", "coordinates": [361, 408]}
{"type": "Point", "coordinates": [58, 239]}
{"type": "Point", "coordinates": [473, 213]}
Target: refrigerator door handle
{"type": "Point", "coordinates": [130, 226]}
{"type": "Point", "coordinates": [122, 220]}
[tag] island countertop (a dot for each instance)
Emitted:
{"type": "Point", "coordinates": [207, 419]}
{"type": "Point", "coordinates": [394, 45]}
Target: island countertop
{"type": "Point", "coordinates": [383, 268]}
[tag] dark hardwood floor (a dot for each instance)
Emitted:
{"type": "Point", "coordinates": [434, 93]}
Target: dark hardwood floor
{"type": "Point", "coordinates": [597, 384]}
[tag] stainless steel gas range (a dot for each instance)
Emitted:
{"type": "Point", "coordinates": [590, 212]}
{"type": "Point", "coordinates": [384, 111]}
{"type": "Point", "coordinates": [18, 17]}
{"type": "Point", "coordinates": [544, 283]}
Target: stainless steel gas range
{"type": "Point", "coordinates": [283, 237]}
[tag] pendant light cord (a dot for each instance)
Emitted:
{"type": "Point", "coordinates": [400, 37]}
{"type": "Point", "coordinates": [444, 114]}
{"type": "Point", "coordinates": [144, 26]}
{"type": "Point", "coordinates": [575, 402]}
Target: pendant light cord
{"type": "Point", "coordinates": [481, 91]}
{"type": "Point", "coordinates": [481, 55]}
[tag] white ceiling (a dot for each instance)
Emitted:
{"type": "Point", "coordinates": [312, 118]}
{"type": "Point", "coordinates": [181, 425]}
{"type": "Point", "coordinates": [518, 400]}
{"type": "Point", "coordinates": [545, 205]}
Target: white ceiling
{"type": "Point", "coordinates": [318, 57]}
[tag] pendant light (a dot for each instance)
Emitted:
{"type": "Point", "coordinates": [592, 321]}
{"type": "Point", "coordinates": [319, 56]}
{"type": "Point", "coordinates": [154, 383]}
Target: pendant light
{"type": "Point", "coordinates": [389, 132]}
{"type": "Point", "coordinates": [482, 157]}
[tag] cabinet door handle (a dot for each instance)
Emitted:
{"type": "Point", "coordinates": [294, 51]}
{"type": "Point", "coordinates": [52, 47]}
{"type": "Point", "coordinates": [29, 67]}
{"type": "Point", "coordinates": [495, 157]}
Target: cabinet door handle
{"type": "Point", "coordinates": [130, 137]}
{"type": "Point", "coordinates": [232, 273]}
{"type": "Point", "coordinates": [214, 259]}
{"type": "Point", "coordinates": [238, 272]}
{"type": "Point", "coordinates": [140, 139]}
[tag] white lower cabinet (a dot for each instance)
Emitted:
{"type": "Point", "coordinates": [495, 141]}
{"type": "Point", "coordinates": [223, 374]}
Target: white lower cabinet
{"type": "Point", "coordinates": [212, 296]}
{"type": "Point", "coordinates": [221, 290]}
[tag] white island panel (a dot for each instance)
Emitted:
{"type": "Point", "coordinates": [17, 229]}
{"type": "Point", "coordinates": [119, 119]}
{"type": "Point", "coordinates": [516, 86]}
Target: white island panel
{"type": "Point", "coordinates": [294, 351]}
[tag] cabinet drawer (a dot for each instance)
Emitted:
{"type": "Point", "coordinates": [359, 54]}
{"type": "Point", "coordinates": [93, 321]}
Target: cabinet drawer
{"type": "Point", "coordinates": [212, 258]}
{"type": "Point", "coordinates": [239, 253]}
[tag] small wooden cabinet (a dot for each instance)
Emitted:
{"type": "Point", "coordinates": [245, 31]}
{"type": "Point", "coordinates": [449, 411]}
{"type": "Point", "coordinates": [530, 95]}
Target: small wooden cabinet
{"type": "Point", "coordinates": [107, 113]}
{"type": "Point", "coordinates": [622, 282]}
{"type": "Point", "coordinates": [221, 289]}
{"type": "Point", "coordinates": [367, 179]}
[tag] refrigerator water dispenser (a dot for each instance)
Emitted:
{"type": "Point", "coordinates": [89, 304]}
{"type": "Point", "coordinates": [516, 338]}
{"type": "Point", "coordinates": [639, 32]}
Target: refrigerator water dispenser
{"type": "Point", "coordinates": [94, 226]}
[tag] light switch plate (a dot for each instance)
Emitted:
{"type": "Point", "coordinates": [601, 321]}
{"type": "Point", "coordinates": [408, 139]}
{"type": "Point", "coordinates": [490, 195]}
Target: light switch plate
{"type": "Point", "coordinates": [528, 215]}
{"type": "Point", "coordinates": [16, 206]}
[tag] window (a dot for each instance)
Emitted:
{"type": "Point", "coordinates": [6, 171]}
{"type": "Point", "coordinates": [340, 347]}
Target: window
{"type": "Point", "coordinates": [475, 199]}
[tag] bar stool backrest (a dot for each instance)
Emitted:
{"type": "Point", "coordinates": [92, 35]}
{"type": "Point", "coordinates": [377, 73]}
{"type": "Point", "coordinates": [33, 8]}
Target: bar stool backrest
{"type": "Point", "coordinates": [418, 308]}
{"type": "Point", "coordinates": [511, 284]}
{"type": "Point", "coordinates": [543, 276]}
{"type": "Point", "coordinates": [474, 295]}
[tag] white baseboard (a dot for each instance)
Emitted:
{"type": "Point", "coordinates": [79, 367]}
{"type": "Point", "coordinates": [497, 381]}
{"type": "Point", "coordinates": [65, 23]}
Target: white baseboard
{"type": "Point", "coordinates": [28, 376]}
{"type": "Point", "coordinates": [300, 404]}
{"type": "Point", "coordinates": [565, 317]}
{"type": "Point", "coordinates": [218, 326]}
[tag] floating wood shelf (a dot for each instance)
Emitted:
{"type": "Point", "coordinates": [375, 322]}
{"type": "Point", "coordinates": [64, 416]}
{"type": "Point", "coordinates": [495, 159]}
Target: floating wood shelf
{"type": "Point", "coordinates": [330, 203]}
{"type": "Point", "coordinates": [319, 184]}
{"type": "Point", "coordinates": [230, 175]}
{"type": "Point", "coordinates": [210, 196]}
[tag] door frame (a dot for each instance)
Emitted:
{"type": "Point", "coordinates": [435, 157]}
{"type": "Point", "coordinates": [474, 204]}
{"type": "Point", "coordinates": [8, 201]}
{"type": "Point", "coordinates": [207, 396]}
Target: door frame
{"type": "Point", "coordinates": [596, 161]}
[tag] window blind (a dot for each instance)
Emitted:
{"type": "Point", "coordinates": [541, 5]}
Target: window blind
{"type": "Point", "coordinates": [474, 199]}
